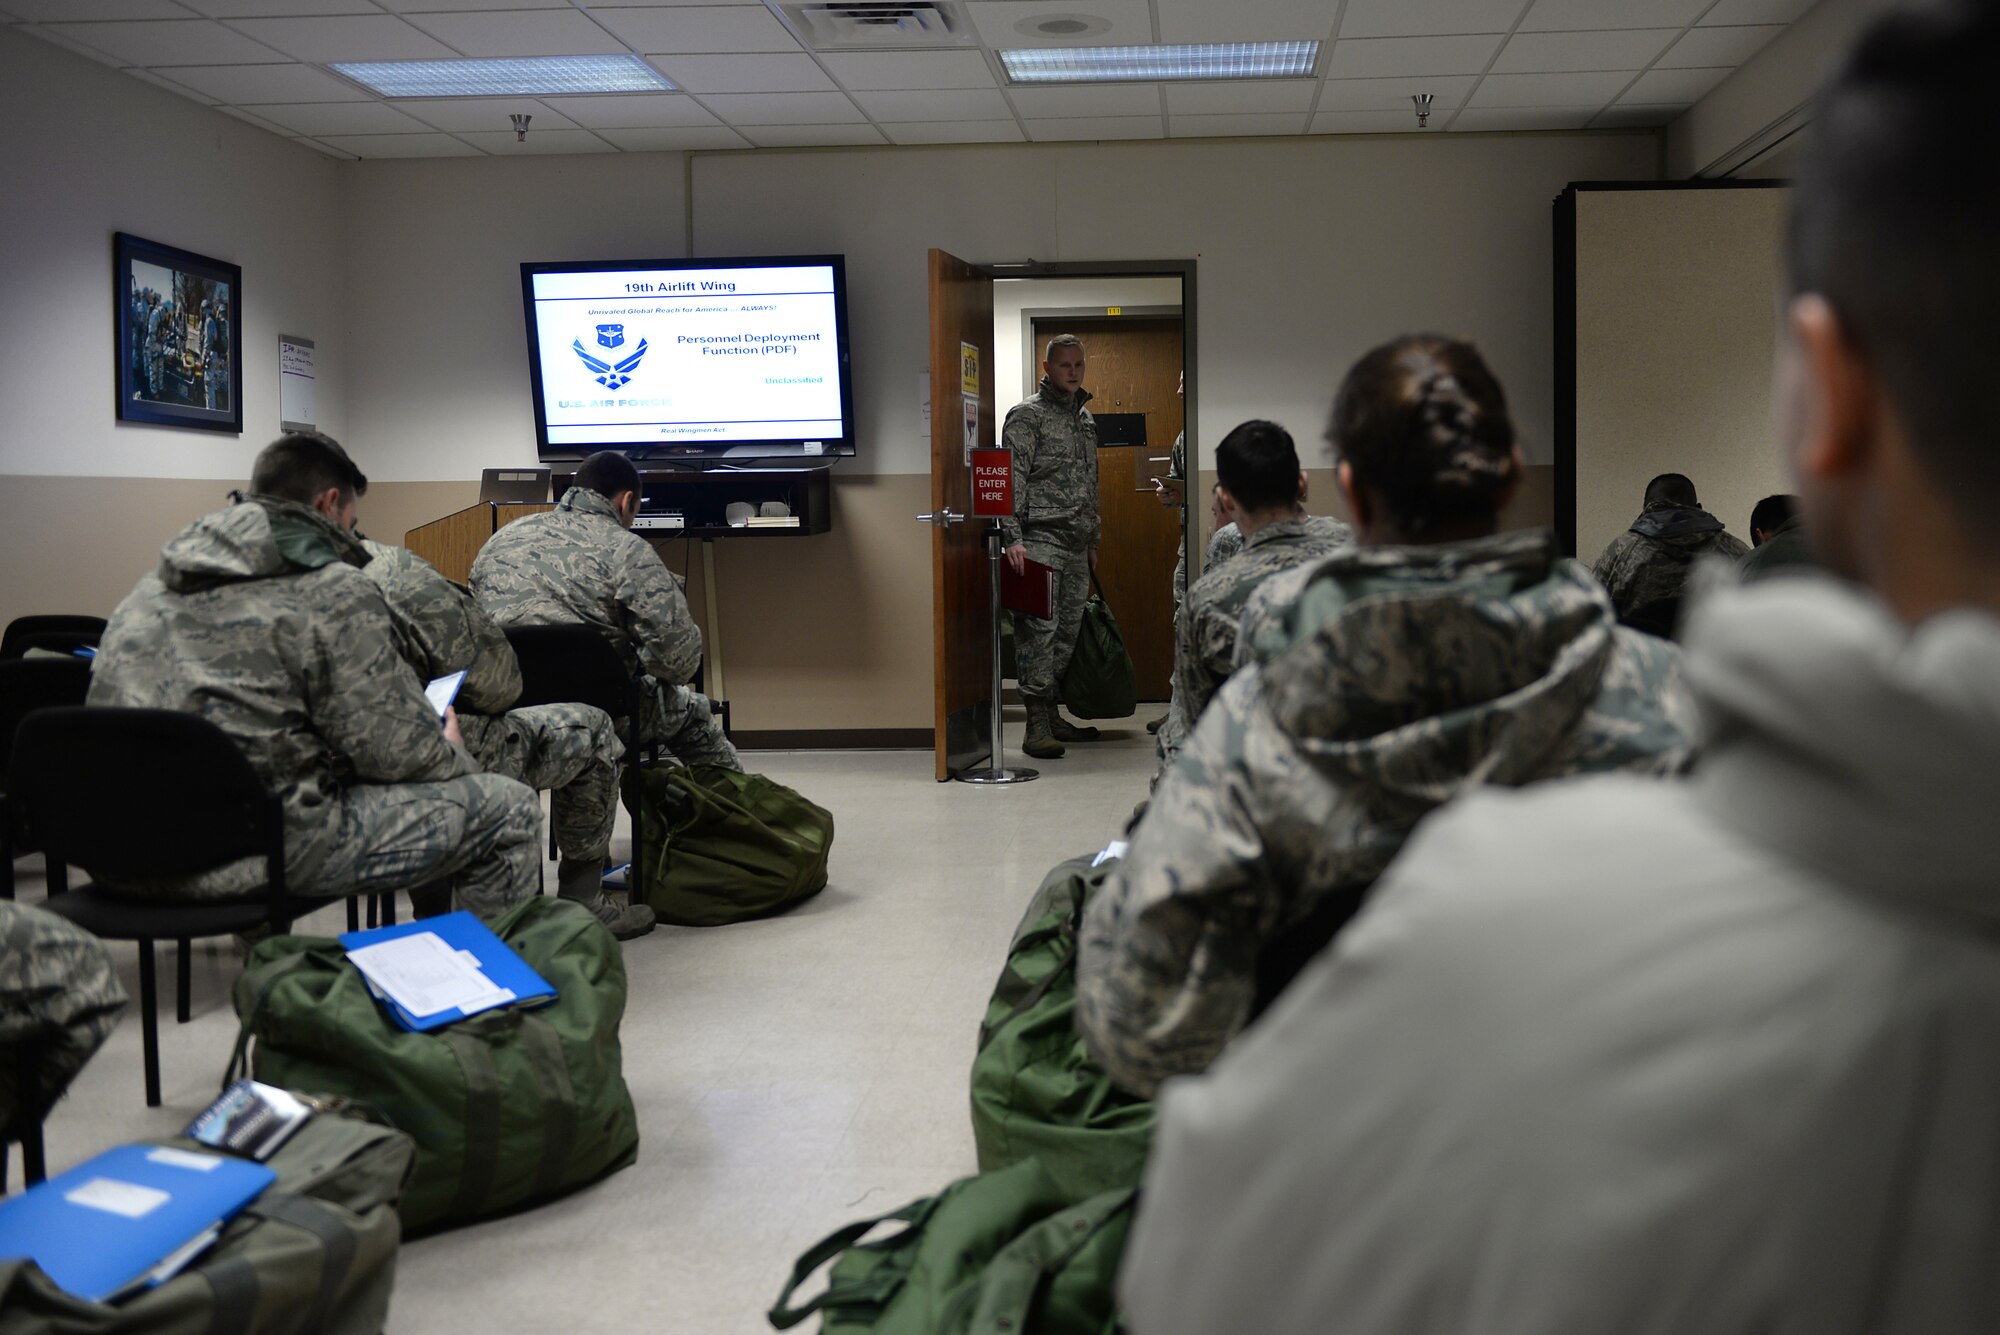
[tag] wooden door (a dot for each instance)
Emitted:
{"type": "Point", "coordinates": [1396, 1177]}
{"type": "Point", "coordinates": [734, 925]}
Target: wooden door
{"type": "Point", "coordinates": [961, 578]}
{"type": "Point", "coordinates": [1133, 365]}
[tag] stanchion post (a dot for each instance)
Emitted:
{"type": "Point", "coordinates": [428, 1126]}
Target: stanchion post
{"type": "Point", "coordinates": [996, 770]}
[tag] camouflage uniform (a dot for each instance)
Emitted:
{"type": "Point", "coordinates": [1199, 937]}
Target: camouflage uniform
{"type": "Point", "coordinates": [570, 749]}
{"type": "Point", "coordinates": [1398, 678]}
{"type": "Point", "coordinates": [60, 998]}
{"type": "Point", "coordinates": [578, 566]}
{"type": "Point", "coordinates": [1649, 562]}
{"type": "Point", "coordinates": [1205, 634]}
{"type": "Point", "coordinates": [1223, 544]}
{"type": "Point", "coordinates": [1054, 442]}
{"type": "Point", "coordinates": [260, 620]}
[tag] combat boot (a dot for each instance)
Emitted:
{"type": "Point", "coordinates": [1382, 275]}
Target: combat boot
{"type": "Point", "coordinates": [1065, 731]}
{"type": "Point", "coordinates": [579, 882]}
{"type": "Point", "coordinates": [1041, 741]}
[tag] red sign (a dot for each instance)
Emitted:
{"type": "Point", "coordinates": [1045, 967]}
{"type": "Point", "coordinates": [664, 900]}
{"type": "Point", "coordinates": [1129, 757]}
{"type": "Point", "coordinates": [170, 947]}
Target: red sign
{"type": "Point", "coordinates": [992, 484]}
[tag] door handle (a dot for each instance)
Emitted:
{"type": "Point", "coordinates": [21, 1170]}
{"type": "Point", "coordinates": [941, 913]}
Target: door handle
{"type": "Point", "coordinates": [943, 519]}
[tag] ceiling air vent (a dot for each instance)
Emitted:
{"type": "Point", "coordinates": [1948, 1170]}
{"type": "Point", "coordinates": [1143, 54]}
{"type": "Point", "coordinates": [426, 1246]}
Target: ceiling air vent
{"type": "Point", "coordinates": [880, 25]}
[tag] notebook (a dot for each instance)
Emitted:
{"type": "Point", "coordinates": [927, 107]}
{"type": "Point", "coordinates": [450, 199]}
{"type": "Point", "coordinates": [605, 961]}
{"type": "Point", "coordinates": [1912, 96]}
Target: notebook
{"type": "Point", "coordinates": [129, 1218]}
{"type": "Point", "coordinates": [1032, 593]}
{"type": "Point", "coordinates": [433, 971]}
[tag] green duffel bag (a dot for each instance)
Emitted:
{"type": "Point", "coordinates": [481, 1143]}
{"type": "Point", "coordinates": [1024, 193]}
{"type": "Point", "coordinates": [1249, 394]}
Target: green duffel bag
{"type": "Point", "coordinates": [316, 1252]}
{"type": "Point", "coordinates": [1100, 681]}
{"type": "Point", "coordinates": [722, 846]}
{"type": "Point", "coordinates": [985, 1252]}
{"type": "Point", "coordinates": [1036, 1092]}
{"type": "Point", "coordinates": [508, 1108]}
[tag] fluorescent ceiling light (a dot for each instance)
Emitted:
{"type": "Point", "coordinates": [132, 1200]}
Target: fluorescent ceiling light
{"type": "Point", "coordinates": [529, 76]}
{"type": "Point", "coordinates": [1123, 64]}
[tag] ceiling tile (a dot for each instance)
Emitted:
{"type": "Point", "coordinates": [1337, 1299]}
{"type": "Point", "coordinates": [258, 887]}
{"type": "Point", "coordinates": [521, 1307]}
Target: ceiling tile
{"type": "Point", "coordinates": [237, 9]}
{"type": "Point", "coordinates": [689, 28]}
{"type": "Point", "coordinates": [1755, 11]}
{"type": "Point", "coordinates": [1265, 21]}
{"type": "Point", "coordinates": [1371, 122]}
{"type": "Point", "coordinates": [1662, 88]}
{"type": "Point", "coordinates": [531, 32]}
{"type": "Point", "coordinates": [1121, 22]}
{"type": "Point", "coordinates": [784, 108]}
{"type": "Point", "coordinates": [1621, 49]}
{"type": "Point", "coordinates": [812, 136]}
{"type": "Point", "coordinates": [265, 83]}
{"type": "Point", "coordinates": [1591, 90]}
{"type": "Point", "coordinates": [55, 11]}
{"type": "Point", "coordinates": [935, 105]}
{"type": "Point", "coordinates": [1097, 127]}
{"type": "Point", "coordinates": [177, 88]}
{"type": "Point", "coordinates": [331, 118]}
{"type": "Point", "coordinates": [1238, 97]}
{"type": "Point", "coordinates": [1569, 15]}
{"type": "Point", "coordinates": [1223, 126]}
{"type": "Point", "coordinates": [455, 114]}
{"type": "Point", "coordinates": [401, 146]}
{"type": "Point", "coordinates": [659, 140]}
{"type": "Point", "coordinates": [1128, 99]}
{"type": "Point", "coordinates": [167, 42]}
{"type": "Point", "coordinates": [438, 6]}
{"type": "Point", "coordinates": [1418, 18]}
{"type": "Point", "coordinates": [745, 74]}
{"type": "Point", "coordinates": [634, 111]}
{"type": "Point", "coordinates": [1718, 46]}
{"type": "Point", "coordinates": [354, 37]}
{"type": "Point", "coordinates": [872, 70]}
{"type": "Point", "coordinates": [1447, 93]}
{"type": "Point", "coordinates": [1386, 57]}
{"type": "Point", "coordinates": [1622, 117]}
{"type": "Point", "coordinates": [956, 132]}
{"type": "Point", "coordinates": [504, 143]}
{"type": "Point", "coordinates": [1522, 118]}
{"type": "Point", "coordinates": [240, 114]}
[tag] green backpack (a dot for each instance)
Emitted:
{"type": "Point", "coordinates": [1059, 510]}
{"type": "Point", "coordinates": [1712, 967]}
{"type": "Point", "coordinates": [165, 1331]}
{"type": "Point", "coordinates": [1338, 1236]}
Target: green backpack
{"type": "Point", "coordinates": [1100, 681]}
{"type": "Point", "coordinates": [997, 1254]}
{"type": "Point", "coordinates": [722, 846]}
{"type": "Point", "coordinates": [315, 1253]}
{"type": "Point", "coordinates": [1036, 1093]}
{"type": "Point", "coordinates": [508, 1108]}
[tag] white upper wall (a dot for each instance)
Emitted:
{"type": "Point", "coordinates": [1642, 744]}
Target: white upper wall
{"type": "Point", "coordinates": [88, 151]}
{"type": "Point", "coordinates": [1309, 252]}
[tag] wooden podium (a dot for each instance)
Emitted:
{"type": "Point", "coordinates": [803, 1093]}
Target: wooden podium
{"type": "Point", "coordinates": [451, 543]}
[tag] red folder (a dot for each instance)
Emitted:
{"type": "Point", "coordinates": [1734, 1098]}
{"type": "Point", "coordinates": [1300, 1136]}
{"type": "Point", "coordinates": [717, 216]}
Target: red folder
{"type": "Point", "coordinates": [1032, 593]}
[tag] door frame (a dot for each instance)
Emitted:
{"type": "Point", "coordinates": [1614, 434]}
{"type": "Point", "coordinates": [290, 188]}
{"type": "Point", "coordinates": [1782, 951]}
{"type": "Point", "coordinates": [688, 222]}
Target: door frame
{"type": "Point", "coordinates": [1190, 345]}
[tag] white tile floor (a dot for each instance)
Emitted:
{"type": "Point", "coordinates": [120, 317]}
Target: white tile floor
{"type": "Point", "coordinates": [790, 1075]}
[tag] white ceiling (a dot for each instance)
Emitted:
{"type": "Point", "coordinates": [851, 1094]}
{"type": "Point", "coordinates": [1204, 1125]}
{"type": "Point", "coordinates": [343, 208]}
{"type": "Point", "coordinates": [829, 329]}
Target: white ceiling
{"type": "Point", "coordinates": [751, 83]}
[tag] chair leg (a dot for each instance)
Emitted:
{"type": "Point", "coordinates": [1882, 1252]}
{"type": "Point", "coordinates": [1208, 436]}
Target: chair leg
{"type": "Point", "coordinates": [34, 1166]}
{"type": "Point", "coordinates": [354, 915]}
{"type": "Point", "coordinates": [58, 876]}
{"type": "Point", "coordinates": [149, 1022]}
{"type": "Point", "coordinates": [388, 908]}
{"type": "Point", "coordinates": [183, 989]}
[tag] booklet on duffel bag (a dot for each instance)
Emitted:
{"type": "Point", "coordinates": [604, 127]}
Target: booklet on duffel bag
{"type": "Point", "coordinates": [436, 970]}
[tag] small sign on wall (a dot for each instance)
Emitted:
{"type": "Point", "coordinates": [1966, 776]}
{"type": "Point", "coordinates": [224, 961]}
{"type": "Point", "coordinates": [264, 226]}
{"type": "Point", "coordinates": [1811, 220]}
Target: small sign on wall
{"type": "Point", "coordinates": [971, 425]}
{"type": "Point", "coordinates": [295, 384]}
{"type": "Point", "coordinates": [968, 370]}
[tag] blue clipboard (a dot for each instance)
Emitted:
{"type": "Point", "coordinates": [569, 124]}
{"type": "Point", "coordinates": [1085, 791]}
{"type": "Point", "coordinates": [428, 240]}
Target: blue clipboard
{"type": "Point", "coordinates": [105, 1225]}
{"type": "Point", "coordinates": [460, 931]}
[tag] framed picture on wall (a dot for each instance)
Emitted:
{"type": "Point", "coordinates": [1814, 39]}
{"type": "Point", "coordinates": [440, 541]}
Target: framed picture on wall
{"type": "Point", "coordinates": [180, 336]}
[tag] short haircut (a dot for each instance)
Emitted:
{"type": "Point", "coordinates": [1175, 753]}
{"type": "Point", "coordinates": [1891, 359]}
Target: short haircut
{"type": "Point", "coordinates": [1259, 465]}
{"type": "Point", "coordinates": [1676, 489]}
{"type": "Point", "coordinates": [1895, 229]}
{"type": "Point", "coordinates": [607, 473]}
{"type": "Point", "coordinates": [1061, 341]}
{"type": "Point", "coordinates": [1772, 511]}
{"type": "Point", "coordinates": [302, 465]}
{"type": "Point", "coordinates": [1423, 424]}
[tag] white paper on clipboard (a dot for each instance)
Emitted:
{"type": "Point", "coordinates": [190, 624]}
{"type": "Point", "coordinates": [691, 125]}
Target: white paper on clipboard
{"type": "Point", "coordinates": [295, 383]}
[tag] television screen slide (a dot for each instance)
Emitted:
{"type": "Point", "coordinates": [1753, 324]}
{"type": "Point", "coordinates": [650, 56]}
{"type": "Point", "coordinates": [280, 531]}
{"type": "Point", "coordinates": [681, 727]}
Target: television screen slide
{"type": "Point", "coordinates": [689, 355]}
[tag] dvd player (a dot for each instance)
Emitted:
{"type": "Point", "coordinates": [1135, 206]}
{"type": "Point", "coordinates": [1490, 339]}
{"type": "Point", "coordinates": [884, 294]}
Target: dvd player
{"type": "Point", "coordinates": [659, 521]}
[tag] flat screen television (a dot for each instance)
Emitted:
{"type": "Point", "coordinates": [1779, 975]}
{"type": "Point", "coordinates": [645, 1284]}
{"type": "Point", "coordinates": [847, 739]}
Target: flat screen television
{"type": "Point", "coordinates": [691, 359]}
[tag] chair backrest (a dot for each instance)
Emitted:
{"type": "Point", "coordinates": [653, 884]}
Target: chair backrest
{"type": "Point", "coordinates": [571, 664]}
{"type": "Point", "coordinates": [143, 794]}
{"type": "Point", "coordinates": [87, 630]}
{"type": "Point", "coordinates": [29, 684]}
{"type": "Point", "coordinates": [1660, 618]}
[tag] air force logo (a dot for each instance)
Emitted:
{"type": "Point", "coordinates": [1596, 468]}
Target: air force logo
{"type": "Point", "coordinates": [608, 374]}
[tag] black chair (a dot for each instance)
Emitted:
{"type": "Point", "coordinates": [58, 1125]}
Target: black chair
{"type": "Point", "coordinates": [26, 685]}
{"type": "Point", "coordinates": [1660, 618]}
{"type": "Point", "coordinates": [76, 629]}
{"type": "Point", "coordinates": [576, 665]}
{"type": "Point", "coordinates": [24, 1125]}
{"type": "Point", "coordinates": [204, 808]}
{"type": "Point", "coordinates": [55, 642]}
